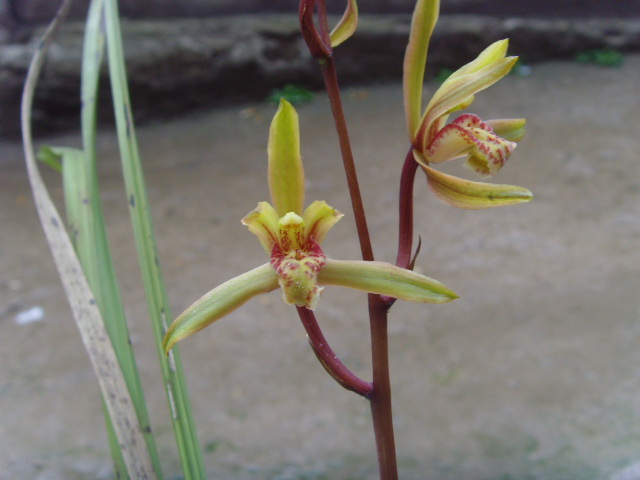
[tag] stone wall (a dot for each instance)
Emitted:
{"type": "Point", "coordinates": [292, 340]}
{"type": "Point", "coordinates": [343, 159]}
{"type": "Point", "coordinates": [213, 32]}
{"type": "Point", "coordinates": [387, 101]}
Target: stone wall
{"type": "Point", "coordinates": [32, 12]}
{"type": "Point", "coordinates": [182, 64]}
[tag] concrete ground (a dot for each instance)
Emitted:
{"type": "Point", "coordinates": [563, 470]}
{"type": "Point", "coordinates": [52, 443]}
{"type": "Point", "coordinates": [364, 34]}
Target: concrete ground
{"type": "Point", "coordinates": [534, 373]}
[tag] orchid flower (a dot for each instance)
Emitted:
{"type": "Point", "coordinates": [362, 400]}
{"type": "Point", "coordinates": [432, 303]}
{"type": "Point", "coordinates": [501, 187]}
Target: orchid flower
{"type": "Point", "coordinates": [292, 237]}
{"type": "Point", "coordinates": [486, 145]}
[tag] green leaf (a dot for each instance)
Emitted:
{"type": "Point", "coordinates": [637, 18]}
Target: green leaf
{"type": "Point", "coordinates": [423, 22]}
{"type": "Point", "coordinates": [158, 306]}
{"type": "Point", "coordinates": [51, 158]}
{"type": "Point", "coordinates": [346, 26]}
{"type": "Point", "coordinates": [469, 195]}
{"type": "Point", "coordinates": [286, 174]}
{"type": "Point", "coordinates": [219, 302]}
{"type": "Point", "coordinates": [384, 279]}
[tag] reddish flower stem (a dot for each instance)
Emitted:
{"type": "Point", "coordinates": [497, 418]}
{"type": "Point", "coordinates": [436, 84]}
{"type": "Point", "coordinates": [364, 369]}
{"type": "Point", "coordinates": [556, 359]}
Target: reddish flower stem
{"type": "Point", "coordinates": [333, 91]}
{"type": "Point", "coordinates": [405, 227]}
{"type": "Point", "coordinates": [380, 395]}
{"type": "Point", "coordinates": [405, 216]}
{"type": "Point", "coordinates": [329, 359]}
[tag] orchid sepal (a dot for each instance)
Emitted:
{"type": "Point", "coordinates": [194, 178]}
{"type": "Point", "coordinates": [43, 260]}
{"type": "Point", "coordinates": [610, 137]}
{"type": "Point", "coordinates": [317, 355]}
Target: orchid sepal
{"type": "Point", "coordinates": [469, 195]}
{"type": "Point", "coordinates": [493, 53]}
{"type": "Point", "coordinates": [385, 279]}
{"type": "Point", "coordinates": [219, 302]}
{"type": "Point", "coordinates": [423, 22]}
{"type": "Point", "coordinates": [286, 173]}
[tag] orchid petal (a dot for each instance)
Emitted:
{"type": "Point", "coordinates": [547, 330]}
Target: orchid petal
{"type": "Point", "coordinates": [385, 279]}
{"type": "Point", "coordinates": [297, 274]}
{"type": "Point", "coordinates": [454, 94]}
{"type": "Point", "coordinates": [346, 26]}
{"type": "Point", "coordinates": [466, 194]}
{"type": "Point", "coordinates": [508, 128]}
{"type": "Point", "coordinates": [318, 220]}
{"type": "Point", "coordinates": [451, 142]}
{"type": "Point", "coordinates": [423, 22]}
{"type": "Point", "coordinates": [286, 174]}
{"type": "Point", "coordinates": [469, 135]}
{"type": "Point", "coordinates": [219, 302]}
{"type": "Point", "coordinates": [263, 222]}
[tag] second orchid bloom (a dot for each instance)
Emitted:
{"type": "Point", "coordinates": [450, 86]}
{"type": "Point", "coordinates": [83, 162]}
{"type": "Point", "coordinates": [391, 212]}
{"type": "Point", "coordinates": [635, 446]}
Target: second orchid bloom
{"type": "Point", "coordinates": [292, 238]}
{"type": "Point", "coordinates": [486, 145]}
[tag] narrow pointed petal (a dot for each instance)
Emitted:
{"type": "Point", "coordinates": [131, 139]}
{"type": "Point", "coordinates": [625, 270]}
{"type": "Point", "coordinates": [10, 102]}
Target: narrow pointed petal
{"type": "Point", "coordinates": [452, 94]}
{"type": "Point", "coordinates": [263, 222]}
{"type": "Point", "coordinates": [346, 26]}
{"type": "Point", "coordinates": [423, 22]}
{"type": "Point", "coordinates": [385, 279]}
{"type": "Point", "coordinates": [219, 302]}
{"type": "Point", "coordinates": [286, 174]}
{"type": "Point", "coordinates": [508, 128]}
{"type": "Point", "coordinates": [318, 220]}
{"type": "Point", "coordinates": [494, 52]}
{"type": "Point", "coordinates": [466, 194]}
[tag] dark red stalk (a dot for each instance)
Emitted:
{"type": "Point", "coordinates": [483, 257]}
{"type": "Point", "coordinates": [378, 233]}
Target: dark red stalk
{"type": "Point", "coordinates": [380, 395]}
{"type": "Point", "coordinates": [316, 44]}
{"type": "Point", "coordinates": [329, 359]}
{"type": "Point", "coordinates": [331, 84]}
{"type": "Point", "coordinates": [380, 398]}
{"type": "Point", "coordinates": [405, 215]}
{"type": "Point", "coordinates": [405, 227]}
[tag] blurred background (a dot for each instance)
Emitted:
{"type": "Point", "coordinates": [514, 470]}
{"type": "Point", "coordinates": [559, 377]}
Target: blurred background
{"type": "Point", "coordinates": [534, 373]}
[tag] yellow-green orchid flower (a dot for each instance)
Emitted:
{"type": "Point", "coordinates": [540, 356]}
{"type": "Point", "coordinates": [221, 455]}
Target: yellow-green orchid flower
{"type": "Point", "coordinates": [292, 239]}
{"type": "Point", "coordinates": [486, 145]}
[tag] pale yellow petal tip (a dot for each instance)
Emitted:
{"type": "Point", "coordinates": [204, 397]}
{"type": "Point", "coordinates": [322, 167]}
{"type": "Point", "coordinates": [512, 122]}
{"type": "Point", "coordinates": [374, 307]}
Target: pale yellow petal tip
{"type": "Point", "coordinates": [347, 25]}
{"type": "Point", "coordinates": [319, 218]}
{"type": "Point", "coordinates": [263, 223]}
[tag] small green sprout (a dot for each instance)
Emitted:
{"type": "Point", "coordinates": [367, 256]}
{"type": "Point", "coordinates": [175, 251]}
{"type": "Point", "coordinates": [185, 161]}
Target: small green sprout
{"type": "Point", "coordinates": [294, 94]}
{"type": "Point", "coordinates": [604, 57]}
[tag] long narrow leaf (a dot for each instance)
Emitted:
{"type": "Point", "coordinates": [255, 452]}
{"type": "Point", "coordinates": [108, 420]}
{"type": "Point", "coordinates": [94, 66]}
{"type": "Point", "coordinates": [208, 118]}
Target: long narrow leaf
{"type": "Point", "coordinates": [188, 446]}
{"type": "Point", "coordinates": [91, 240]}
{"type": "Point", "coordinates": [81, 298]}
